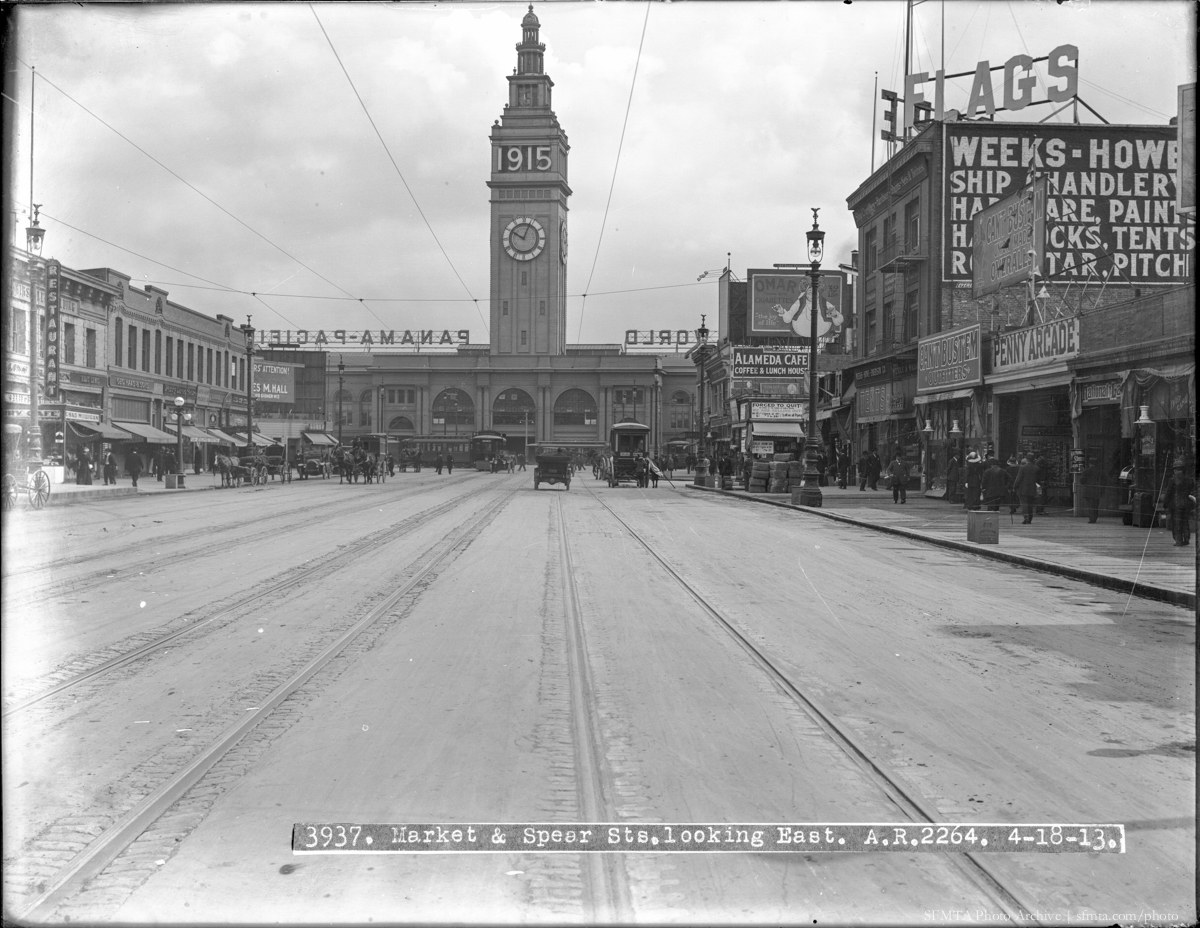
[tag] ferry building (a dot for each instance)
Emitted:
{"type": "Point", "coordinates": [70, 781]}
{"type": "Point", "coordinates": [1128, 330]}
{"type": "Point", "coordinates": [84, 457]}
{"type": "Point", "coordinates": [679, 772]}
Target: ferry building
{"type": "Point", "coordinates": [527, 381]}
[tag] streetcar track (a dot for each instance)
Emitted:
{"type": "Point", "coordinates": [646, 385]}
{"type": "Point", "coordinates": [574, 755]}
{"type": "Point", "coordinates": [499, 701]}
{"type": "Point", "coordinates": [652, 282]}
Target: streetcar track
{"type": "Point", "coordinates": [206, 548]}
{"type": "Point", "coordinates": [877, 773]}
{"type": "Point", "coordinates": [607, 879]}
{"type": "Point", "coordinates": [151, 641]}
{"type": "Point", "coordinates": [107, 846]}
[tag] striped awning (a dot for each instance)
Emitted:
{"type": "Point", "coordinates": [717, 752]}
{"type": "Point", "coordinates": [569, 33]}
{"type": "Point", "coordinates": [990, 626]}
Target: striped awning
{"type": "Point", "coordinates": [147, 433]}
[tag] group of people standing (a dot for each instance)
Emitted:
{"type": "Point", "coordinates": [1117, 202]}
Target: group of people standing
{"type": "Point", "coordinates": [985, 482]}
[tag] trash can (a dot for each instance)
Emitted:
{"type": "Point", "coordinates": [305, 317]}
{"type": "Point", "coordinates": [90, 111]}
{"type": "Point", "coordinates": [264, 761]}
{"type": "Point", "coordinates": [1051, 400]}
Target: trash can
{"type": "Point", "coordinates": [983, 527]}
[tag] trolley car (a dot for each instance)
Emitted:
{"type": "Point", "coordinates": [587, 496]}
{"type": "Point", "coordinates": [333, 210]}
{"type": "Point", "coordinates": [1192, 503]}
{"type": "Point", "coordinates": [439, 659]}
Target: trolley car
{"type": "Point", "coordinates": [487, 449]}
{"type": "Point", "coordinates": [627, 441]}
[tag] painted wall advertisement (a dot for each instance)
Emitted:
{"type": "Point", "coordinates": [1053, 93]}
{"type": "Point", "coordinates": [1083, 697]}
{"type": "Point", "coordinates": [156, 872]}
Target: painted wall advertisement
{"type": "Point", "coordinates": [1111, 203]}
{"type": "Point", "coordinates": [1036, 345]}
{"type": "Point", "coordinates": [779, 304]}
{"type": "Point", "coordinates": [770, 362]}
{"type": "Point", "coordinates": [1009, 240]}
{"type": "Point", "coordinates": [274, 382]}
{"type": "Point", "coordinates": [950, 360]}
{"type": "Point", "coordinates": [785, 411]}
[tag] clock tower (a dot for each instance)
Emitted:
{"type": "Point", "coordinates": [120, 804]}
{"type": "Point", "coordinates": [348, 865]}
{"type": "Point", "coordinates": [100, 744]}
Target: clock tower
{"type": "Point", "coordinates": [529, 211]}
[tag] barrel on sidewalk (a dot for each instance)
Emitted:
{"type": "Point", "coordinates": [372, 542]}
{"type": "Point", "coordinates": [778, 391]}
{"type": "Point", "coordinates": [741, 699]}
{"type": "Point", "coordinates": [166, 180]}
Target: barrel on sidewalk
{"type": "Point", "coordinates": [983, 528]}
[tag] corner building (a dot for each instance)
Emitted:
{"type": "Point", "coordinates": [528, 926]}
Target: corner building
{"type": "Point", "coordinates": [526, 382]}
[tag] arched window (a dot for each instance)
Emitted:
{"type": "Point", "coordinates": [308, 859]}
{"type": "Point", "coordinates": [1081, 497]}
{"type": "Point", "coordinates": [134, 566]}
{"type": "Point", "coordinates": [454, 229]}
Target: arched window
{"type": "Point", "coordinates": [513, 407]}
{"type": "Point", "coordinates": [342, 406]}
{"type": "Point", "coordinates": [401, 424]}
{"type": "Point", "coordinates": [366, 400]}
{"type": "Point", "coordinates": [453, 413]}
{"type": "Point", "coordinates": [575, 407]}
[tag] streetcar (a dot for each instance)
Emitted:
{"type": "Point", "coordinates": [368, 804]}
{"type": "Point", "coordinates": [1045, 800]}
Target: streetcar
{"type": "Point", "coordinates": [426, 448]}
{"type": "Point", "coordinates": [628, 440]}
{"type": "Point", "coordinates": [487, 450]}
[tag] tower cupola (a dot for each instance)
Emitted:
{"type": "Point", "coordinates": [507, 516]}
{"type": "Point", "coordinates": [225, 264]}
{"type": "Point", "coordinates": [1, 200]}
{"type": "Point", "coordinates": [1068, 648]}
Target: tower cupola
{"type": "Point", "coordinates": [530, 51]}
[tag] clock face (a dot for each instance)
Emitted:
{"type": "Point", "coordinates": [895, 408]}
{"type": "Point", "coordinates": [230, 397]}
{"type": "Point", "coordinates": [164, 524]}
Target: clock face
{"type": "Point", "coordinates": [524, 239]}
{"type": "Point", "coordinates": [562, 238]}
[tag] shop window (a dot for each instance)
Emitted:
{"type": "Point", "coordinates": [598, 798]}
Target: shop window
{"type": "Point", "coordinates": [68, 343]}
{"type": "Point", "coordinates": [89, 347]}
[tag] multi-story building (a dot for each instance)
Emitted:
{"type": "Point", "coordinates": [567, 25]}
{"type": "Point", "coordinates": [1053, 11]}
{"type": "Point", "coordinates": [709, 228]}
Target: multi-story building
{"type": "Point", "coordinates": [938, 370]}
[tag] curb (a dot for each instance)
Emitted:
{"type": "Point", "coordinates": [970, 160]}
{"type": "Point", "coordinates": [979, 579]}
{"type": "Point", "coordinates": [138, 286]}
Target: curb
{"type": "Point", "coordinates": [1146, 591]}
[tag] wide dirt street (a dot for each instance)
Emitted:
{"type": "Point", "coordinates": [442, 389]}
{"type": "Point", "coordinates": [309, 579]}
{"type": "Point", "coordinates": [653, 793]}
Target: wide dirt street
{"type": "Point", "coordinates": [187, 677]}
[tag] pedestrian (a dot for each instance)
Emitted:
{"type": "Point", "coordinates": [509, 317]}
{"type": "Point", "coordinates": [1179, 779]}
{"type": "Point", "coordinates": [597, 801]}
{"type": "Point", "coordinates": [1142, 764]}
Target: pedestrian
{"type": "Point", "coordinates": [864, 466]}
{"type": "Point", "coordinates": [110, 467]}
{"type": "Point", "coordinates": [690, 462]}
{"type": "Point", "coordinates": [952, 479]}
{"type": "Point", "coordinates": [1179, 500]}
{"type": "Point", "coordinates": [391, 465]}
{"type": "Point", "coordinates": [1026, 487]}
{"type": "Point", "coordinates": [159, 465]}
{"type": "Point", "coordinates": [133, 465]}
{"type": "Point", "coordinates": [843, 467]}
{"type": "Point", "coordinates": [653, 472]}
{"type": "Point", "coordinates": [639, 470]}
{"type": "Point", "coordinates": [898, 478]}
{"type": "Point", "coordinates": [874, 469]}
{"type": "Point", "coordinates": [1012, 467]}
{"type": "Point", "coordinates": [83, 467]}
{"type": "Point", "coordinates": [170, 463]}
{"type": "Point", "coordinates": [995, 486]}
{"type": "Point", "coordinates": [972, 485]}
{"type": "Point", "coordinates": [1091, 481]}
{"type": "Point", "coordinates": [822, 464]}
{"type": "Point", "coordinates": [521, 461]}
{"type": "Point", "coordinates": [438, 462]}
{"type": "Point", "coordinates": [449, 464]}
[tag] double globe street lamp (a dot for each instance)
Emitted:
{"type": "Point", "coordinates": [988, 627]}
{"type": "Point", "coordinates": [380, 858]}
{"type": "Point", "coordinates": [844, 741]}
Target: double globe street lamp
{"type": "Point", "coordinates": [180, 415]}
{"type": "Point", "coordinates": [810, 489]}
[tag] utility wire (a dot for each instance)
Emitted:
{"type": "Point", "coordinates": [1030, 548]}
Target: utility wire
{"type": "Point", "coordinates": [620, 144]}
{"type": "Point", "coordinates": [193, 187]}
{"type": "Point", "coordinates": [399, 173]}
{"type": "Point", "coordinates": [216, 284]}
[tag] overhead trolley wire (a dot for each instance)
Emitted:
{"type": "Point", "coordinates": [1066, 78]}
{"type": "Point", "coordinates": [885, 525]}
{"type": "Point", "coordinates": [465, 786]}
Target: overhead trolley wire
{"type": "Point", "coordinates": [616, 165]}
{"type": "Point", "coordinates": [194, 188]}
{"type": "Point", "coordinates": [399, 173]}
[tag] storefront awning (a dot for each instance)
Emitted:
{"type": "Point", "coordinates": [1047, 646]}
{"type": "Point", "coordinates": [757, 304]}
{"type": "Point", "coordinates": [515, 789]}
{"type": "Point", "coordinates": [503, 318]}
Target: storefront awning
{"type": "Point", "coordinates": [90, 431]}
{"type": "Point", "coordinates": [259, 441]}
{"type": "Point", "coordinates": [320, 438]}
{"type": "Point", "coordinates": [890, 417]}
{"type": "Point", "coordinates": [223, 438]}
{"type": "Point", "coordinates": [1033, 380]}
{"type": "Point", "coordinates": [925, 398]}
{"type": "Point", "coordinates": [147, 433]}
{"type": "Point", "coordinates": [777, 430]}
{"type": "Point", "coordinates": [823, 414]}
{"type": "Point", "coordinates": [198, 435]}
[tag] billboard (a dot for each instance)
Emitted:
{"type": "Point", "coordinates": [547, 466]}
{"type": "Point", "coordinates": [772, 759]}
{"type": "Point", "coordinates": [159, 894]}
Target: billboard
{"type": "Point", "coordinates": [1009, 240]}
{"type": "Point", "coordinates": [779, 304]}
{"type": "Point", "coordinates": [274, 382]}
{"type": "Point", "coordinates": [950, 360]}
{"type": "Point", "coordinates": [1111, 195]}
{"type": "Point", "coordinates": [1035, 345]}
{"type": "Point", "coordinates": [770, 362]}
{"type": "Point", "coordinates": [1185, 177]}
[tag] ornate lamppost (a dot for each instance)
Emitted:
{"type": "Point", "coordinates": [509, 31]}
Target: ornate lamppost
{"type": "Point", "coordinates": [810, 489]}
{"type": "Point", "coordinates": [248, 331]}
{"type": "Point", "coordinates": [702, 445]}
{"type": "Point", "coordinates": [33, 245]}
{"type": "Point", "coordinates": [179, 417]}
{"type": "Point", "coordinates": [341, 381]}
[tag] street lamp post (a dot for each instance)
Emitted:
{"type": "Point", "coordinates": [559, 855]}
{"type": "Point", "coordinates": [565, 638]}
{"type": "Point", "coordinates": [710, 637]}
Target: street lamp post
{"type": "Point", "coordinates": [810, 489]}
{"type": "Point", "coordinates": [341, 380]}
{"type": "Point", "coordinates": [702, 445]}
{"type": "Point", "coordinates": [179, 416]}
{"type": "Point", "coordinates": [33, 244]}
{"type": "Point", "coordinates": [248, 331]}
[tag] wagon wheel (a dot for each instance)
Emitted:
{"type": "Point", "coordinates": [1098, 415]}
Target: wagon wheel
{"type": "Point", "coordinates": [10, 492]}
{"type": "Point", "coordinates": [39, 489]}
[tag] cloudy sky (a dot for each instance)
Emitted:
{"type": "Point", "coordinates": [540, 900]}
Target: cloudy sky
{"type": "Point", "coordinates": [270, 177]}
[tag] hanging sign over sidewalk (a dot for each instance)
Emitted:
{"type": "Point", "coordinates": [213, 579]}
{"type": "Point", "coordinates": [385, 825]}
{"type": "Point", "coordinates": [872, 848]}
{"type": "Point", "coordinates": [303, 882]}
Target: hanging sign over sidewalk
{"type": "Point", "coordinates": [1010, 240]}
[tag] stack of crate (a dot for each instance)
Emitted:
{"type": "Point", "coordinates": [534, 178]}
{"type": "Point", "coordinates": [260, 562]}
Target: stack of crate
{"type": "Point", "coordinates": [759, 475]}
{"type": "Point", "coordinates": [796, 473]}
{"type": "Point", "coordinates": [779, 473]}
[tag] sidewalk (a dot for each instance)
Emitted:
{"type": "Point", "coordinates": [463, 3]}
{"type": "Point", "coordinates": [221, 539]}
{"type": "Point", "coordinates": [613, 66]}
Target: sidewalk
{"type": "Point", "coordinates": [63, 494]}
{"type": "Point", "coordinates": [1109, 554]}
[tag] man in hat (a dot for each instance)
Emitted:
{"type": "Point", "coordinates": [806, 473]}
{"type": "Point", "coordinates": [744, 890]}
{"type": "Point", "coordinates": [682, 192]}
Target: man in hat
{"type": "Point", "coordinates": [994, 485]}
{"type": "Point", "coordinates": [1179, 499]}
{"type": "Point", "coordinates": [1012, 467]}
{"type": "Point", "coordinates": [973, 484]}
{"type": "Point", "coordinates": [1026, 486]}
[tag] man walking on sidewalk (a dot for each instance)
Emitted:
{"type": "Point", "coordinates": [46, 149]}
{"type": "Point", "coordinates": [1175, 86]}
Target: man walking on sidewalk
{"type": "Point", "coordinates": [996, 486]}
{"type": "Point", "coordinates": [898, 478]}
{"type": "Point", "coordinates": [1027, 489]}
{"type": "Point", "coordinates": [133, 465]}
{"type": "Point", "coordinates": [1179, 500]}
